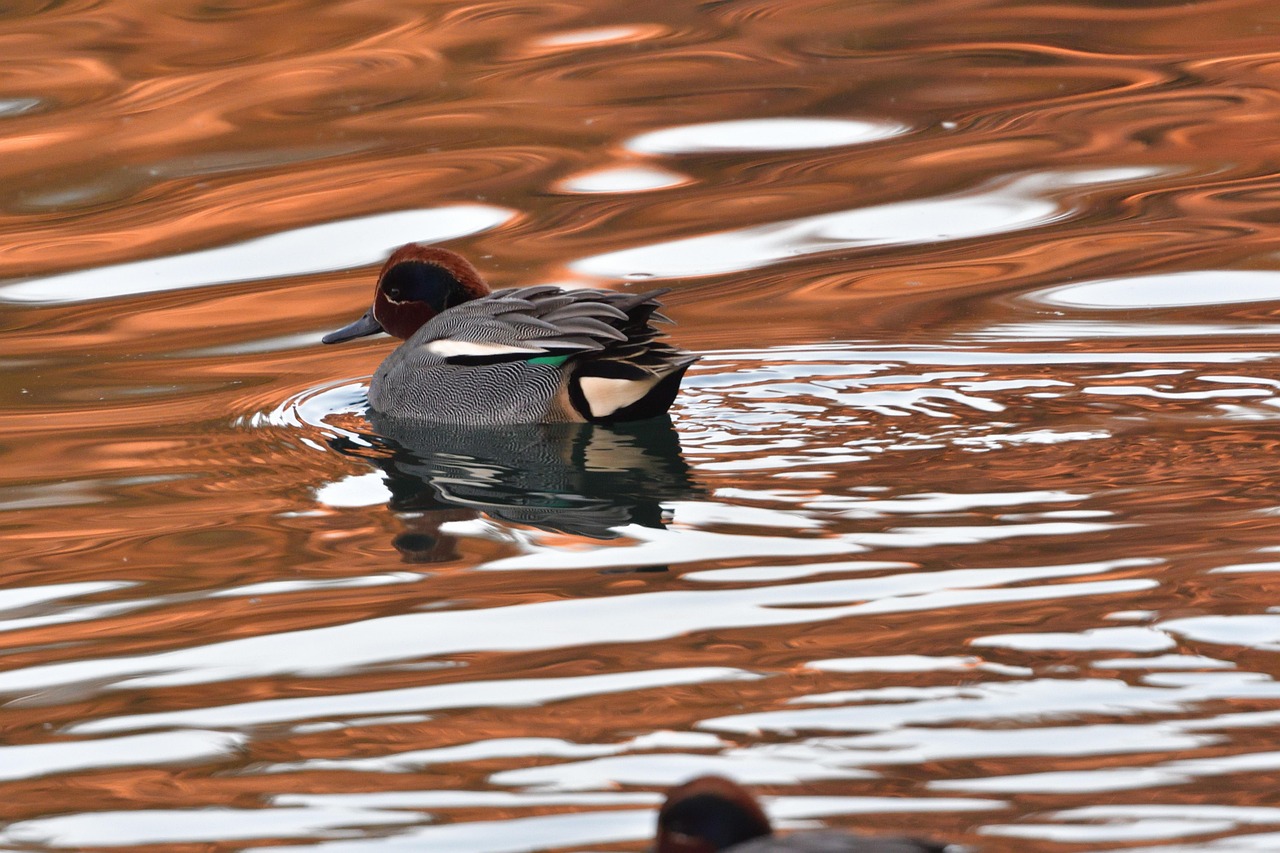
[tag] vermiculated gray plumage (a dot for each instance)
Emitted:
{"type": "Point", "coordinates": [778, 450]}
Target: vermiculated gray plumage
{"type": "Point", "coordinates": [425, 386]}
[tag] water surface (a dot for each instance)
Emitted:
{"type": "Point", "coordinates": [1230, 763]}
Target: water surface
{"type": "Point", "coordinates": [965, 522]}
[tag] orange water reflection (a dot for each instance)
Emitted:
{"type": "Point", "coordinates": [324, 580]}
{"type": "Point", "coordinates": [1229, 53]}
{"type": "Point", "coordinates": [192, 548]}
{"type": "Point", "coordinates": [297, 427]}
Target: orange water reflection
{"type": "Point", "coordinates": [968, 518]}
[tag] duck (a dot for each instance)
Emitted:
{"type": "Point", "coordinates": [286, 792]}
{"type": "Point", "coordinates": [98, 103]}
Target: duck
{"type": "Point", "coordinates": [538, 354]}
{"type": "Point", "coordinates": [711, 814]}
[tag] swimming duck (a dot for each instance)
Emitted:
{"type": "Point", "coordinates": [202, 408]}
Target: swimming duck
{"type": "Point", "coordinates": [539, 354]}
{"type": "Point", "coordinates": [711, 814]}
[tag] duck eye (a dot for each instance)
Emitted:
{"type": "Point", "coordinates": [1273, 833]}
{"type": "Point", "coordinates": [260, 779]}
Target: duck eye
{"type": "Point", "coordinates": [394, 293]}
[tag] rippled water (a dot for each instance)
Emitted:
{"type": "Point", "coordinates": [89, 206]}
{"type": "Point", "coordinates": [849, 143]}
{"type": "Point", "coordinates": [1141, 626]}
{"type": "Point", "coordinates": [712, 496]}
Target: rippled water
{"type": "Point", "coordinates": [966, 522]}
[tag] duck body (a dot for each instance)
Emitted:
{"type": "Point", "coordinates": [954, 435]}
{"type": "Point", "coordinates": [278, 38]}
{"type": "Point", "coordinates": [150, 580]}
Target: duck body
{"type": "Point", "coordinates": [533, 355]}
{"type": "Point", "coordinates": [712, 814]}
{"type": "Point", "coordinates": [541, 354]}
{"type": "Point", "coordinates": [414, 384]}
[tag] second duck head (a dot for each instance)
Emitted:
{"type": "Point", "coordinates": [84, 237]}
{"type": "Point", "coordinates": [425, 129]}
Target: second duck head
{"type": "Point", "coordinates": [415, 284]}
{"type": "Point", "coordinates": [712, 814]}
{"type": "Point", "coordinates": [707, 814]}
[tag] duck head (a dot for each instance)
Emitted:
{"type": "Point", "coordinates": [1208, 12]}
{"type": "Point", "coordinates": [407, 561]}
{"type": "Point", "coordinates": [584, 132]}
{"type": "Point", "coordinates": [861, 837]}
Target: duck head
{"type": "Point", "coordinates": [707, 814]}
{"type": "Point", "coordinates": [416, 283]}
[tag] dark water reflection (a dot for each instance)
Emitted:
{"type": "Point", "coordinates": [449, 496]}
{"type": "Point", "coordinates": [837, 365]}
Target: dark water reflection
{"type": "Point", "coordinates": [966, 522]}
{"type": "Point", "coordinates": [577, 479]}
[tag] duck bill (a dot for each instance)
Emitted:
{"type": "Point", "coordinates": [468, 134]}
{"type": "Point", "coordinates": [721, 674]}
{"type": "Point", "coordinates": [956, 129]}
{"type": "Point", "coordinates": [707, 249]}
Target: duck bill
{"type": "Point", "coordinates": [366, 325]}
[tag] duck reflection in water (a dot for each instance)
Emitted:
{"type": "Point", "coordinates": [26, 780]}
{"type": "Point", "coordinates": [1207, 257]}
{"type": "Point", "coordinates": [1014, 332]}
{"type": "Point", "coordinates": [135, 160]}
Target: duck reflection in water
{"type": "Point", "coordinates": [574, 478]}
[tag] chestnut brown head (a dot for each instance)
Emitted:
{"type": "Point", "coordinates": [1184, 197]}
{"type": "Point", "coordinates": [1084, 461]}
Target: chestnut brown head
{"type": "Point", "coordinates": [707, 814]}
{"type": "Point", "coordinates": [415, 284]}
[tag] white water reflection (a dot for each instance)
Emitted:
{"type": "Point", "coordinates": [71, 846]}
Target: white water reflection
{"type": "Point", "coordinates": [1027, 701]}
{"type": "Point", "coordinates": [1139, 821]}
{"type": "Point", "coordinates": [1166, 290]}
{"type": "Point", "coordinates": [497, 694]}
{"type": "Point", "coordinates": [1013, 205]}
{"type": "Point", "coordinates": [17, 106]}
{"type": "Point", "coordinates": [920, 745]}
{"type": "Point", "coordinates": [940, 502]}
{"type": "Point", "coordinates": [446, 799]}
{"type": "Point", "coordinates": [1118, 778]}
{"type": "Point", "coordinates": [1256, 843]}
{"type": "Point", "coordinates": [764, 134]}
{"type": "Point", "coordinates": [1093, 639]}
{"type": "Point", "coordinates": [355, 490]}
{"type": "Point", "coordinates": [1071, 330]}
{"type": "Point", "coordinates": [835, 355]}
{"type": "Point", "coordinates": [763, 574]}
{"type": "Point", "coordinates": [1259, 631]}
{"type": "Point", "coordinates": [789, 808]}
{"type": "Point", "coordinates": [649, 547]}
{"type": "Point", "coordinates": [562, 624]}
{"type": "Point", "coordinates": [916, 663]}
{"type": "Point", "coordinates": [191, 826]}
{"type": "Point", "coordinates": [1150, 829]}
{"type": "Point", "coordinates": [501, 836]}
{"type": "Point", "coordinates": [528, 747]}
{"type": "Point", "coordinates": [29, 761]}
{"type": "Point", "coordinates": [317, 248]}
{"type": "Point", "coordinates": [23, 597]}
{"type": "Point", "coordinates": [592, 36]}
{"type": "Point", "coordinates": [72, 492]}
{"type": "Point", "coordinates": [666, 769]}
{"type": "Point", "coordinates": [1164, 662]}
{"type": "Point", "coordinates": [623, 179]}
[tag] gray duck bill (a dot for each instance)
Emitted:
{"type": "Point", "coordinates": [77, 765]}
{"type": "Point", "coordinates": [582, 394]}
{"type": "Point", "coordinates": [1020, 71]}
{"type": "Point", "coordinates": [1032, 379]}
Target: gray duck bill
{"type": "Point", "coordinates": [366, 325]}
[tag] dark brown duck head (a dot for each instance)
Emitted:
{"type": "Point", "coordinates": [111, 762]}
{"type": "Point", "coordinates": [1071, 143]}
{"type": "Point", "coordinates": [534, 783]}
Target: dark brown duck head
{"type": "Point", "coordinates": [416, 283]}
{"type": "Point", "coordinates": [707, 814]}
{"type": "Point", "coordinates": [711, 814]}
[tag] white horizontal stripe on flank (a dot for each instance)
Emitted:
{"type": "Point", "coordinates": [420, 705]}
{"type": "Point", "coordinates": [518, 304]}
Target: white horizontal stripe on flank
{"type": "Point", "coordinates": [449, 348]}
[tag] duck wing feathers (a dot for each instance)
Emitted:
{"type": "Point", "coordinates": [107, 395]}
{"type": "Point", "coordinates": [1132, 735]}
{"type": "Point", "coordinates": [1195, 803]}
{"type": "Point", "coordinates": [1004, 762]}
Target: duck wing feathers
{"type": "Point", "coordinates": [544, 320]}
